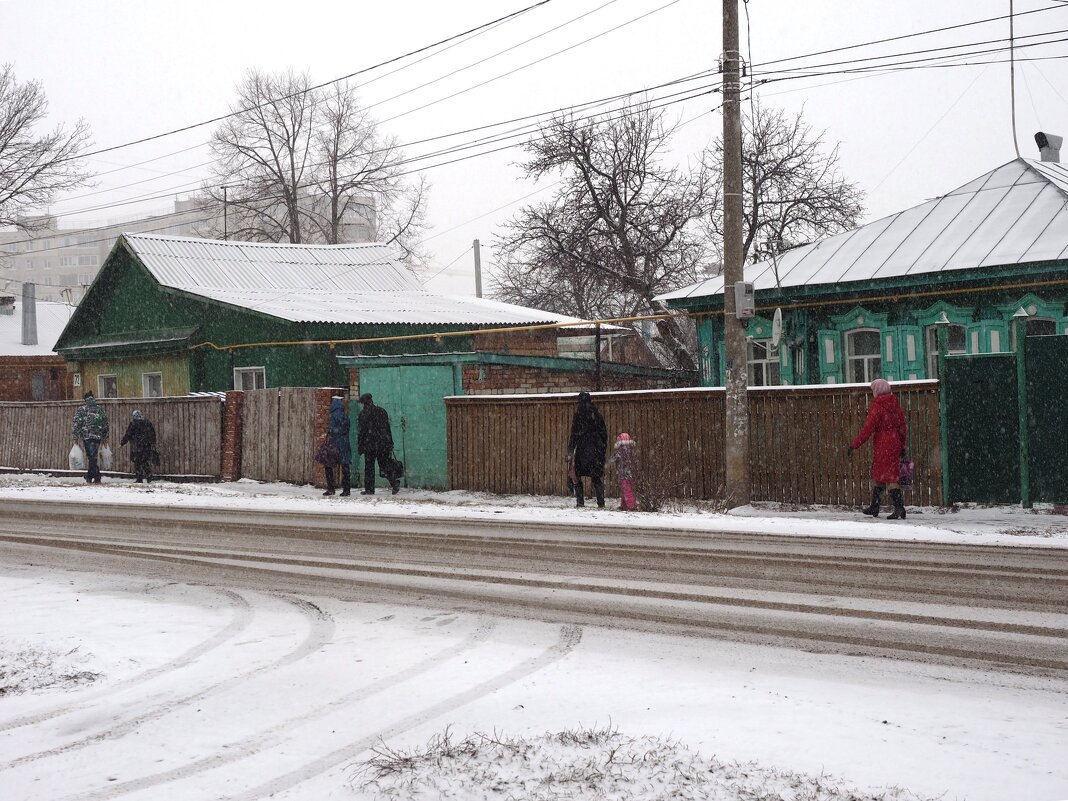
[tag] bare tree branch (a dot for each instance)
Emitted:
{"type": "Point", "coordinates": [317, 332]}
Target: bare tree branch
{"type": "Point", "coordinates": [34, 167]}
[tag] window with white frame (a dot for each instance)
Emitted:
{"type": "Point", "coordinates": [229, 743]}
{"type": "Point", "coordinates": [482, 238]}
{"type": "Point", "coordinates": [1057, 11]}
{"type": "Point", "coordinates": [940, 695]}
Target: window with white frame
{"type": "Point", "coordinates": [107, 386]}
{"type": "Point", "coordinates": [250, 378]}
{"type": "Point", "coordinates": [863, 356]}
{"type": "Point", "coordinates": [763, 363]}
{"type": "Point", "coordinates": [152, 385]}
{"type": "Point", "coordinates": [957, 338]}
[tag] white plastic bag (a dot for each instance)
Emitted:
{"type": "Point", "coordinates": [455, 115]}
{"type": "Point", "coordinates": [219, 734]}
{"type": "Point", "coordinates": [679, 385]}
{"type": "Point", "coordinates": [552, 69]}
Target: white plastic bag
{"type": "Point", "coordinates": [76, 458]}
{"type": "Point", "coordinates": [105, 457]}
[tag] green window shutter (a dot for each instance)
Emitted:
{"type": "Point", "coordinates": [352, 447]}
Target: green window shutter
{"type": "Point", "coordinates": [786, 368]}
{"type": "Point", "coordinates": [910, 353]}
{"type": "Point", "coordinates": [890, 364]}
{"type": "Point", "coordinates": [722, 364]}
{"type": "Point", "coordinates": [829, 345]}
{"type": "Point", "coordinates": [994, 336]}
{"type": "Point", "coordinates": [974, 340]}
{"type": "Point", "coordinates": [706, 341]}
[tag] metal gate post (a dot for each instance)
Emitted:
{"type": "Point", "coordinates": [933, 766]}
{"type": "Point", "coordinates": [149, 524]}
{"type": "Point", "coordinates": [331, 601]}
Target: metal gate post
{"type": "Point", "coordinates": [942, 330]}
{"type": "Point", "coordinates": [1020, 330]}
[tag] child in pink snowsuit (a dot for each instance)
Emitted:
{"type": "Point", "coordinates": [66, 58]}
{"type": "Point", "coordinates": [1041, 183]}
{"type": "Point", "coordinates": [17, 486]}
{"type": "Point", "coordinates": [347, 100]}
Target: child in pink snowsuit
{"type": "Point", "coordinates": [625, 458]}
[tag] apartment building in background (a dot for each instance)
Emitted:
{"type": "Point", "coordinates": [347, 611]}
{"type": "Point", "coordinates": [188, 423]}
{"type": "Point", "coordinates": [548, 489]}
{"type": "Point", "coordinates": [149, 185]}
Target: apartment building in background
{"type": "Point", "coordinates": [62, 260]}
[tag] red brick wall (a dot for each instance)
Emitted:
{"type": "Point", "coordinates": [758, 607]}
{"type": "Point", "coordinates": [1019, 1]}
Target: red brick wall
{"type": "Point", "coordinates": [323, 396]}
{"type": "Point", "coordinates": [527, 343]}
{"type": "Point", "coordinates": [233, 428]}
{"type": "Point", "coordinates": [500, 379]}
{"type": "Point", "coordinates": [16, 378]}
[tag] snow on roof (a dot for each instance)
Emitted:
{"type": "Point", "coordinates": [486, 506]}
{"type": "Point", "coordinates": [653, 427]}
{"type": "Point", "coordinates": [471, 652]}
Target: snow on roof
{"type": "Point", "coordinates": [1015, 214]}
{"type": "Point", "coordinates": [51, 319]}
{"type": "Point", "coordinates": [363, 283]}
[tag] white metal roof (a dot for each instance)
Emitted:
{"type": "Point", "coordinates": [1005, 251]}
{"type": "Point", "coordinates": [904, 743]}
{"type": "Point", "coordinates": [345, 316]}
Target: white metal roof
{"type": "Point", "coordinates": [51, 319]}
{"type": "Point", "coordinates": [364, 283]}
{"type": "Point", "coordinates": [1015, 214]}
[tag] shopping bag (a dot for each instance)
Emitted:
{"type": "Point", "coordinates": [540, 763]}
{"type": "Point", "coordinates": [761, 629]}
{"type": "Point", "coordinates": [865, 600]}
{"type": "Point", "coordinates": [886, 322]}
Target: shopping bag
{"type": "Point", "coordinates": [104, 457]}
{"type": "Point", "coordinates": [392, 468]}
{"type": "Point", "coordinates": [76, 459]}
{"type": "Point", "coordinates": [327, 454]}
{"type": "Point", "coordinates": [908, 467]}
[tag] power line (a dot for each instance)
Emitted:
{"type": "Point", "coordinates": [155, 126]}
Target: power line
{"type": "Point", "coordinates": [393, 60]}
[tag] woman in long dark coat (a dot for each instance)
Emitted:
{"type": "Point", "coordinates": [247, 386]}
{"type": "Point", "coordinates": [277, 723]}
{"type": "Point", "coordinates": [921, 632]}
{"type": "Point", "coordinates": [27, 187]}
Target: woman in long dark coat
{"type": "Point", "coordinates": [141, 435]}
{"type": "Point", "coordinates": [886, 425]}
{"type": "Point", "coordinates": [588, 445]}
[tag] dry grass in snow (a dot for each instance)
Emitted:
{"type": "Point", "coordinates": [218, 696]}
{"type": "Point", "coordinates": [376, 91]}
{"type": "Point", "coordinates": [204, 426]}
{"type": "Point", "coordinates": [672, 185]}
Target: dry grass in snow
{"type": "Point", "coordinates": [583, 765]}
{"type": "Point", "coordinates": [32, 668]}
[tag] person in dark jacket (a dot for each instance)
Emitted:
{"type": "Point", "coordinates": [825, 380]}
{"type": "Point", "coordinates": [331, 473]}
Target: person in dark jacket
{"type": "Point", "coordinates": [374, 441]}
{"type": "Point", "coordinates": [337, 429]}
{"type": "Point", "coordinates": [587, 445]}
{"type": "Point", "coordinates": [91, 427]}
{"type": "Point", "coordinates": [886, 425]}
{"type": "Point", "coordinates": [141, 435]}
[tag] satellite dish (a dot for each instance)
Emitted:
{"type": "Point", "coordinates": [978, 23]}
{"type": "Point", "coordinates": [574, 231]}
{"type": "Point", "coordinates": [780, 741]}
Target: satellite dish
{"type": "Point", "coordinates": [776, 328]}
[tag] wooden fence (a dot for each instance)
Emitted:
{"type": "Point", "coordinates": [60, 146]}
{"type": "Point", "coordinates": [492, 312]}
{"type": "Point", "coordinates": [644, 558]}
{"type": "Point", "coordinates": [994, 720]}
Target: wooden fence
{"type": "Point", "coordinates": [279, 434]}
{"type": "Point", "coordinates": [798, 441]}
{"type": "Point", "coordinates": [37, 436]}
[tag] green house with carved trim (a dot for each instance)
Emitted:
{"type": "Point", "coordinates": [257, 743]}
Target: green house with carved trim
{"type": "Point", "coordinates": [865, 304]}
{"type": "Point", "coordinates": [171, 315]}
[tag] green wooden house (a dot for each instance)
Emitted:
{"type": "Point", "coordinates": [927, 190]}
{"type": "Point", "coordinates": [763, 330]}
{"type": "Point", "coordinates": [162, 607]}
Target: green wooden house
{"type": "Point", "coordinates": [172, 315]}
{"type": "Point", "coordinates": [864, 304]}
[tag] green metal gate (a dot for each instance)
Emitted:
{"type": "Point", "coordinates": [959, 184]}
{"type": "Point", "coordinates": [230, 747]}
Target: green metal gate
{"type": "Point", "coordinates": [1046, 360]}
{"type": "Point", "coordinates": [414, 396]}
{"type": "Point", "coordinates": [982, 428]}
{"type": "Point", "coordinates": [982, 398]}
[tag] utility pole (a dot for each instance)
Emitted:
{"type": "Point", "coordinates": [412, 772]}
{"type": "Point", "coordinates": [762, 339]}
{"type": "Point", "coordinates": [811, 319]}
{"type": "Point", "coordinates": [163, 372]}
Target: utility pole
{"type": "Point", "coordinates": [478, 268]}
{"type": "Point", "coordinates": [226, 232]}
{"type": "Point", "coordinates": [736, 430]}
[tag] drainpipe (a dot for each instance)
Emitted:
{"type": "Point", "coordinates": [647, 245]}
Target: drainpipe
{"type": "Point", "coordinates": [1019, 324]}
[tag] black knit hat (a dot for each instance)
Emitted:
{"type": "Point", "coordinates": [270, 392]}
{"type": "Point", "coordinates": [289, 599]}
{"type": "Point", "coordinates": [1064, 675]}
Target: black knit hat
{"type": "Point", "coordinates": [365, 397]}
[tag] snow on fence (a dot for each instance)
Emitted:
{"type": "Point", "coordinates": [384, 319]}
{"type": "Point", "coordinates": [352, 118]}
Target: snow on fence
{"type": "Point", "coordinates": [798, 441]}
{"type": "Point", "coordinates": [37, 436]}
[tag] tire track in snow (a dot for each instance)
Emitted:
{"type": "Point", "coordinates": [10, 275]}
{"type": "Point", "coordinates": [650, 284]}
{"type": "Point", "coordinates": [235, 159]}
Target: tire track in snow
{"type": "Point", "coordinates": [278, 734]}
{"type": "Point", "coordinates": [570, 636]}
{"type": "Point", "coordinates": [239, 621]}
{"type": "Point", "coordinates": [321, 628]}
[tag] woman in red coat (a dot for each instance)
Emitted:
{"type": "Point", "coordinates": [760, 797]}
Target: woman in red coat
{"type": "Point", "coordinates": [886, 423]}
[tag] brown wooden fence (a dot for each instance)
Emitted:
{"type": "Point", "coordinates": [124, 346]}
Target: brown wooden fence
{"type": "Point", "coordinates": [798, 441]}
{"type": "Point", "coordinates": [37, 436]}
{"type": "Point", "coordinates": [279, 434]}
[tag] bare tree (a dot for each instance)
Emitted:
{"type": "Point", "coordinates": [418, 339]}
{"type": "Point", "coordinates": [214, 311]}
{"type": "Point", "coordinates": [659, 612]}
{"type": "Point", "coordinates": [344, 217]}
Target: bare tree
{"type": "Point", "coordinates": [34, 167]}
{"type": "Point", "coordinates": [794, 189]}
{"type": "Point", "coordinates": [304, 164]}
{"type": "Point", "coordinates": [622, 228]}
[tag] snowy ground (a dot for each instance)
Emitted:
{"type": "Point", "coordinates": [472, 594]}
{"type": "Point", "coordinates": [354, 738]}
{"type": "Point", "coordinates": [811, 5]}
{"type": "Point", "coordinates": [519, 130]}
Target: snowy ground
{"type": "Point", "coordinates": [989, 525]}
{"type": "Point", "coordinates": [120, 687]}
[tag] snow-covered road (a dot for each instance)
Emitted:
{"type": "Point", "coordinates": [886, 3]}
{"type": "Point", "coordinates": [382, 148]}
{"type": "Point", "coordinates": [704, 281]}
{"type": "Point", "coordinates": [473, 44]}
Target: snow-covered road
{"type": "Point", "coordinates": [213, 692]}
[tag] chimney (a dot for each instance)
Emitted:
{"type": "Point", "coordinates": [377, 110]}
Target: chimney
{"type": "Point", "coordinates": [1049, 146]}
{"type": "Point", "coordinates": [29, 314]}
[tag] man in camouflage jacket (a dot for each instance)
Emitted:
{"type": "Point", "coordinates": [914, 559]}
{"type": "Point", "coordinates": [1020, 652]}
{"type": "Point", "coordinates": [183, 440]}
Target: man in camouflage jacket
{"type": "Point", "coordinates": [91, 427]}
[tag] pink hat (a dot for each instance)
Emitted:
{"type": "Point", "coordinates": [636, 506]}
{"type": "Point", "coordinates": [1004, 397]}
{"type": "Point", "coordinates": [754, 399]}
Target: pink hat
{"type": "Point", "coordinates": [624, 437]}
{"type": "Point", "coordinates": [880, 386]}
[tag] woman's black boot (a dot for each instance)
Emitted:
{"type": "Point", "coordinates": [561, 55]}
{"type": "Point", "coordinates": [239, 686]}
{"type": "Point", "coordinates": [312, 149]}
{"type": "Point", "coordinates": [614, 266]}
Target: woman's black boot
{"type": "Point", "coordinates": [899, 505]}
{"type": "Point", "coordinates": [876, 499]}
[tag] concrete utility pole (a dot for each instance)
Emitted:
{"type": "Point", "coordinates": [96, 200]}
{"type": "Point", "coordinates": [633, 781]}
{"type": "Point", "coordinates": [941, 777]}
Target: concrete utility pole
{"type": "Point", "coordinates": [736, 431]}
{"type": "Point", "coordinates": [226, 210]}
{"type": "Point", "coordinates": [478, 268]}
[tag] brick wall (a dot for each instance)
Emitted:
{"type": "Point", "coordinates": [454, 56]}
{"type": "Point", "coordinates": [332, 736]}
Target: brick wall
{"type": "Point", "coordinates": [500, 379]}
{"type": "Point", "coordinates": [527, 343]}
{"type": "Point", "coordinates": [16, 378]}
{"type": "Point", "coordinates": [323, 396]}
{"type": "Point", "coordinates": [233, 429]}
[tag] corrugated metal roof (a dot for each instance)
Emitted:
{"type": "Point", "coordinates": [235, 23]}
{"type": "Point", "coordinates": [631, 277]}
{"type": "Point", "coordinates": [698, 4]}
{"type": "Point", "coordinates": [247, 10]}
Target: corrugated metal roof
{"type": "Point", "coordinates": [316, 283]}
{"type": "Point", "coordinates": [1015, 214]}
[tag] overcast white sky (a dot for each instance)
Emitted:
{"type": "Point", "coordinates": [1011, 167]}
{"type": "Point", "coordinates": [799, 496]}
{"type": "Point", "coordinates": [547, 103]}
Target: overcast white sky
{"type": "Point", "coordinates": [133, 69]}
